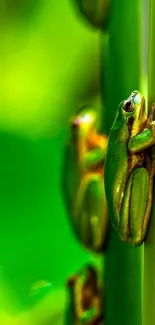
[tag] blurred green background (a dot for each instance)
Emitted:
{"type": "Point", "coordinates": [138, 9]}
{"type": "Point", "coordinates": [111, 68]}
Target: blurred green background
{"type": "Point", "coordinates": [51, 62]}
{"type": "Point", "coordinates": [49, 65]}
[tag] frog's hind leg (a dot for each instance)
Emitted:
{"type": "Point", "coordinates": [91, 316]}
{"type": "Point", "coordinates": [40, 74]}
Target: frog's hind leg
{"type": "Point", "coordinates": [135, 207]}
{"type": "Point", "coordinates": [92, 216]}
{"type": "Point", "coordinates": [96, 212]}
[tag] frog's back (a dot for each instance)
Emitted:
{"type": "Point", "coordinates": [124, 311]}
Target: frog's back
{"type": "Point", "coordinates": [116, 166]}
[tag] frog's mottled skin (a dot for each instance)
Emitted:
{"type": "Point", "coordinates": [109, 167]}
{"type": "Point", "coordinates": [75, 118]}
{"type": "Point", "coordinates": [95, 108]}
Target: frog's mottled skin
{"type": "Point", "coordinates": [129, 169]}
{"type": "Point", "coordinates": [83, 180]}
{"type": "Point", "coordinates": [86, 296]}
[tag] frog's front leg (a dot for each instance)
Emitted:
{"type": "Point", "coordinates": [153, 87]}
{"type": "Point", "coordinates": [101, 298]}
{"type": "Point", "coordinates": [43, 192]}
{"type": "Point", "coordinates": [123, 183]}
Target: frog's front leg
{"type": "Point", "coordinates": [146, 138]}
{"type": "Point", "coordinates": [135, 211]}
{"type": "Point", "coordinates": [93, 158]}
{"type": "Point", "coordinates": [143, 140]}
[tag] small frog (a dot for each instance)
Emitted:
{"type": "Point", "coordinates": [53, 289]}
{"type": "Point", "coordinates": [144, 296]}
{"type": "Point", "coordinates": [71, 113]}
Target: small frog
{"type": "Point", "coordinates": [86, 297]}
{"type": "Point", "coordinates": [129, 169]}
{"type": "Point", "coordinates": [83, 180]}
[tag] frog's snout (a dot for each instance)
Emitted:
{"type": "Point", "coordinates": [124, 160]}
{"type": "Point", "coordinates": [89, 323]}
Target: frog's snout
{"type": "Point", "coordinates": [75, 123]}
{"type": "Point", "coordinates": [74, 127]}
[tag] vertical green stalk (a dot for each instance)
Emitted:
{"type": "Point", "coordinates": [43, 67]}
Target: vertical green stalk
{"type": "Point", "coordinates": [149, 247]}
{"type": "Point", "coordinates": [121, 74]}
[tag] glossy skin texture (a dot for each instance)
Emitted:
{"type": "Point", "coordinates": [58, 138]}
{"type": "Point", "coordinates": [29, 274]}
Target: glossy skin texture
{"type": "Point", "coordinates": [86, 197]}
{"type": "Point", "coordinates": [129, 169]}
{"type": "Point", "coordinates": [86, 297]}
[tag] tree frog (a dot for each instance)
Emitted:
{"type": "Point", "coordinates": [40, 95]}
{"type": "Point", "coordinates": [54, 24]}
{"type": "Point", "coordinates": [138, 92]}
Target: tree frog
{"type": "Point", "coordinates": [86, 294]}
{"type": "Point", "coordinates": [129, 169]}
{"type": "Point", "coordinates": [83, 180]}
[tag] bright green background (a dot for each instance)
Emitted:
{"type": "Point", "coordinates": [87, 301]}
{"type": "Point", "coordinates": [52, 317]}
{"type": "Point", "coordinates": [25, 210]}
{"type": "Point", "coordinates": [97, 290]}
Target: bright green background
{"type": "Point", "coordinates": [49, 66]}
{"type": "Point", "coordinates": [49, 63]}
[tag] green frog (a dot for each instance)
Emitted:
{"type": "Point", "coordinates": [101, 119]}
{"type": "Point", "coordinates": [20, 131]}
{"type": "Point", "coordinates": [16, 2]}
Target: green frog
{"type": "Point", "coordinates": [129, 169]}
{"type": "Point", "coordinates": [83, 180]}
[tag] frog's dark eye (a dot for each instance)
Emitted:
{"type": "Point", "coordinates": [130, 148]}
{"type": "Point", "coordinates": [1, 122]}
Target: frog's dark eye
{"type": "Point", "coordinates": [128, 106]}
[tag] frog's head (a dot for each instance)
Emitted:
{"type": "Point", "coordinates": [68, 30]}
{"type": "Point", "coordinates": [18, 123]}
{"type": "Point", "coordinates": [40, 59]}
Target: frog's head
{"type": "Point", "coordinates": [133, 111]}
{"type": "Point", "coordinates": [83, 122]}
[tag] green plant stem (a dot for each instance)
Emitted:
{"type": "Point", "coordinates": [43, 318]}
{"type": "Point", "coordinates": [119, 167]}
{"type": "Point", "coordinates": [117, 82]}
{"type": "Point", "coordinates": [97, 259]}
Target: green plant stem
{"type": "Point", "coordinates": [120, 75]}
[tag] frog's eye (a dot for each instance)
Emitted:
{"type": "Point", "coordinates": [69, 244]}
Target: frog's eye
{"type": "Point", "coordinates": [128, 106]}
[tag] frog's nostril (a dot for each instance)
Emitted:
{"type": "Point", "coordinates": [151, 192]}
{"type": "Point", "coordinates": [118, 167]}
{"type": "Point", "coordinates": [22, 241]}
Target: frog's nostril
{"type": "Point", "coordinates": [134, 93]}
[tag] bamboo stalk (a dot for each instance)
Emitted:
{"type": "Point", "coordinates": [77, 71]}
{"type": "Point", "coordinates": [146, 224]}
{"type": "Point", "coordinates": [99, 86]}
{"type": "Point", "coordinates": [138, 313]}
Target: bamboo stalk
{"type": "Point", "coordinates": [120, 75]}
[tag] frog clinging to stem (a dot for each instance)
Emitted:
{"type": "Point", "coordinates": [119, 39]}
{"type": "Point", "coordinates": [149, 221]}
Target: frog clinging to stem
{"type": "Point", "coordinates": [129, 169]}
{"type": "Point", "coordinates": [85, 185]}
